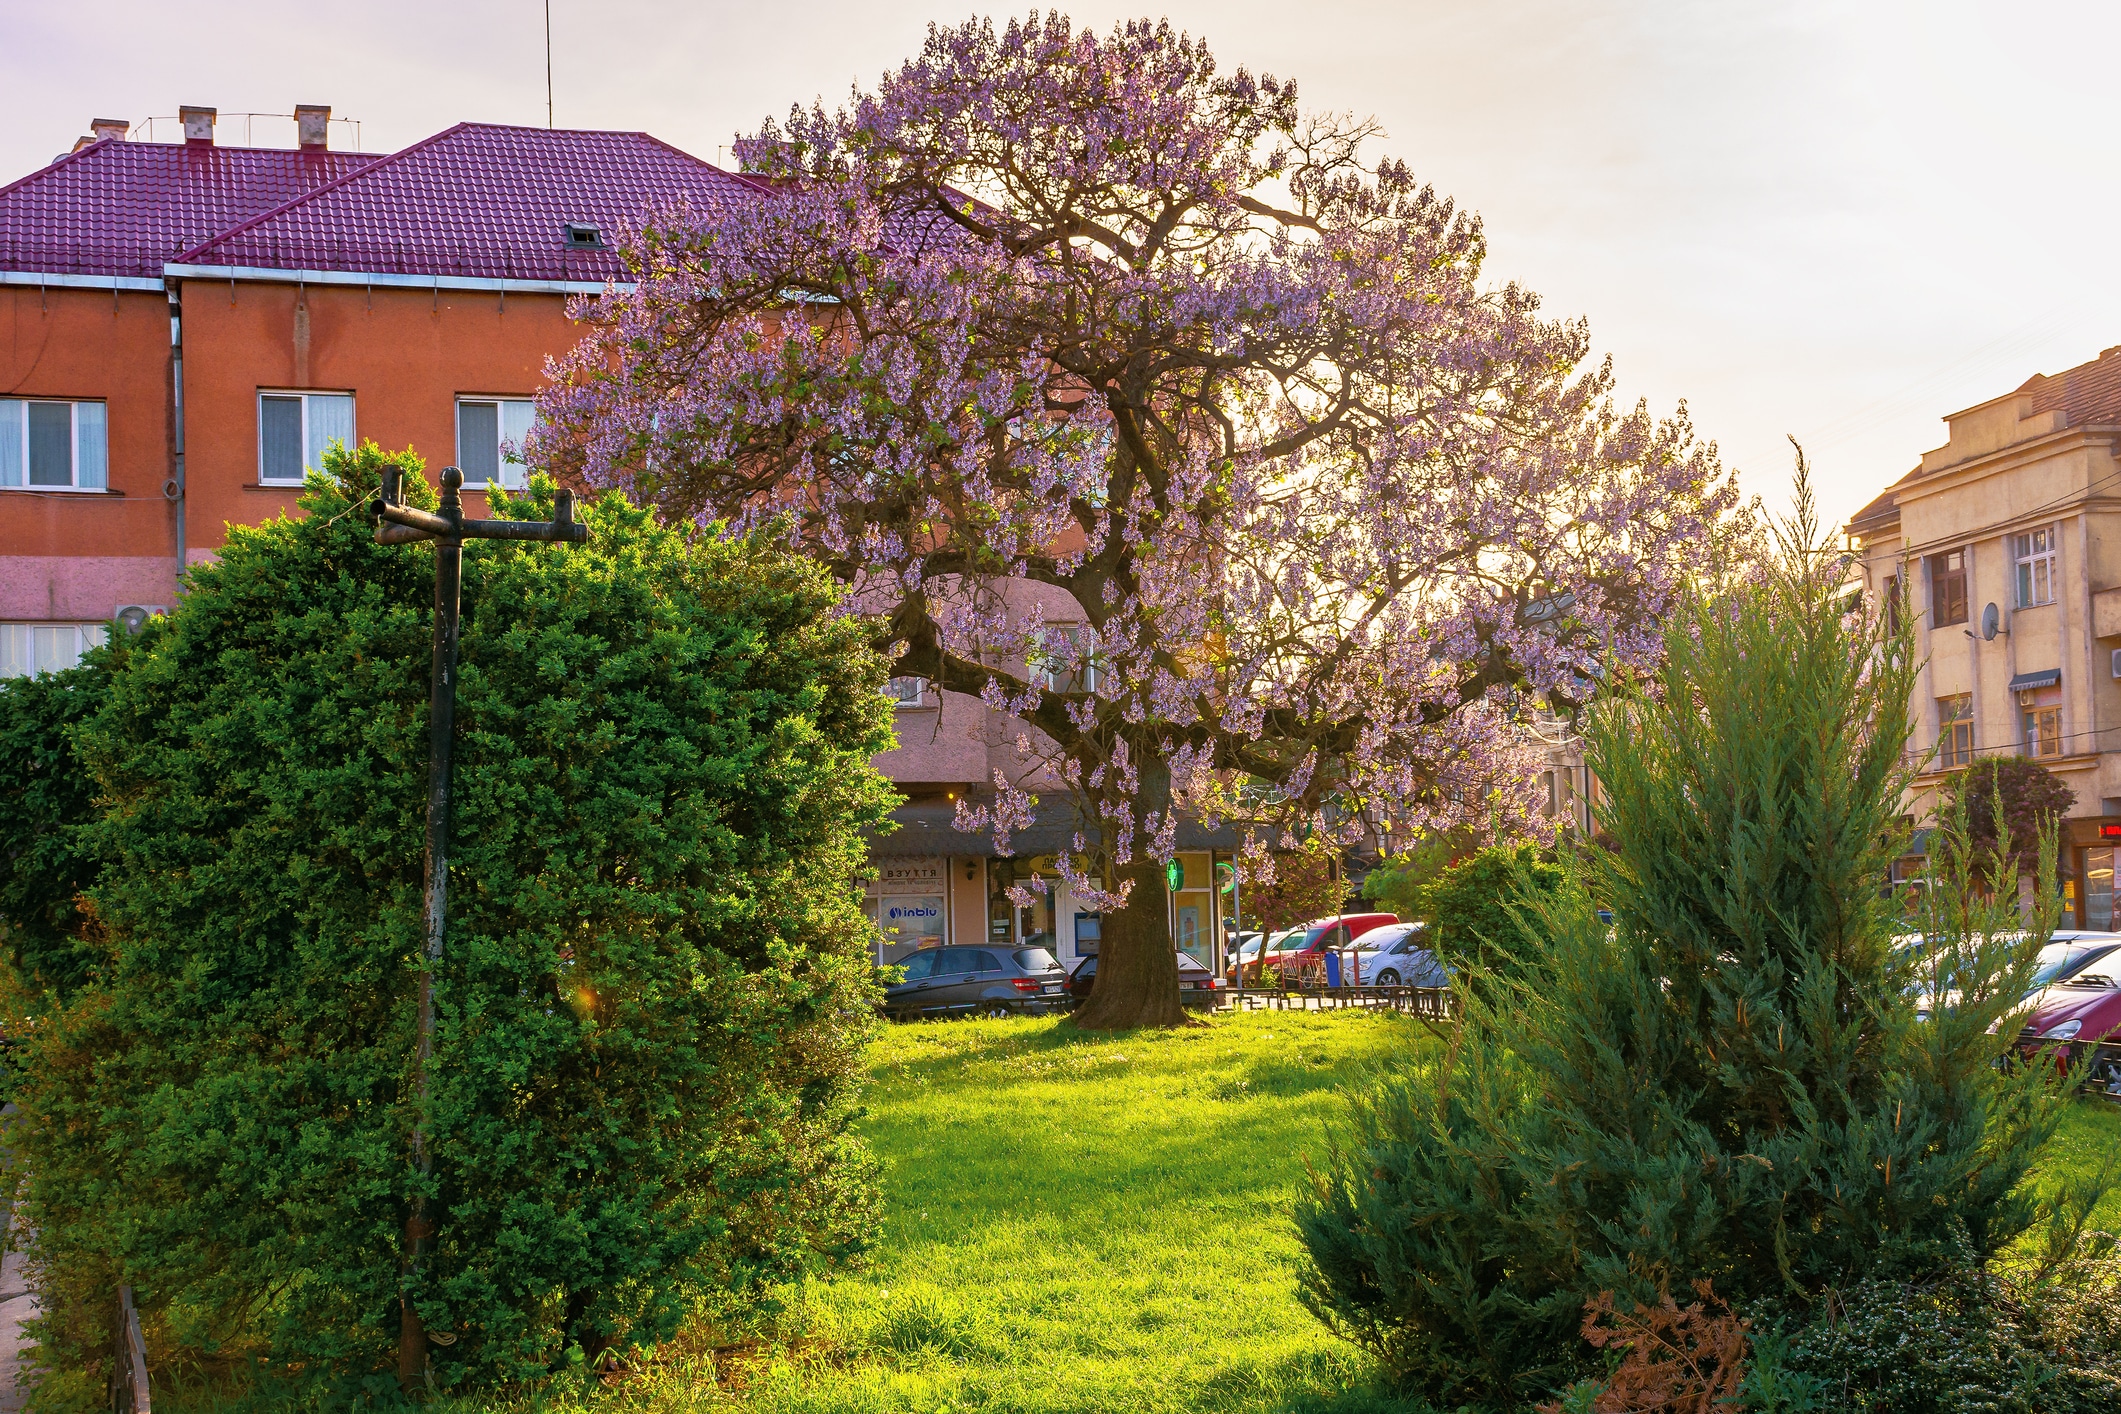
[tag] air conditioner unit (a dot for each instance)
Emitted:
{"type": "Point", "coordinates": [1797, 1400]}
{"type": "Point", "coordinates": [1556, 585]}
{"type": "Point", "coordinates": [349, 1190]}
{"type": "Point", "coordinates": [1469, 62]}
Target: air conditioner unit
{"type": "Point", "coordinates": [135, 616]}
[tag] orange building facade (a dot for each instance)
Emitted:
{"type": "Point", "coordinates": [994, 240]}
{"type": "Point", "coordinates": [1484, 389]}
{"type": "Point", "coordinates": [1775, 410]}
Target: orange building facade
{"type": "Point", "coordinates": [406, 360]}
{"type": "Point", "coordinates": [205, 321]}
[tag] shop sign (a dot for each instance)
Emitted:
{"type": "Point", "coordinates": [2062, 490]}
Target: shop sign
{"type": "Point", "coordinates": [912, 917]}
{"type": "Point", "coordinates": [922, 874]}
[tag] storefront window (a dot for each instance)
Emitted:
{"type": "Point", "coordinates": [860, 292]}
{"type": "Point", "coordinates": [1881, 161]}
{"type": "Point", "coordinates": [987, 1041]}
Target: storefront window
{"type": "Point", "coordinates": [1011, 925]}
{"type": "Point", "coordinates": [2099, 890]}
{"type": "Point", "coordinates": [907, 901]}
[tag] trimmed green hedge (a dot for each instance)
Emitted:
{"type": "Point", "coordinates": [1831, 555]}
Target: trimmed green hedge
{"type": "Point", "coordinates": [655, 984]}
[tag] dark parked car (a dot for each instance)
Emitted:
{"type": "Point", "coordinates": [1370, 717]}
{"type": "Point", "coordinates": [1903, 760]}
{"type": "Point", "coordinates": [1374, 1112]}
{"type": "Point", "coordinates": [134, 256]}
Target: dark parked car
{"type": "Point", "coordinates": [992, 981]}
{"type": "Point", "coordinates": [1197, 986]}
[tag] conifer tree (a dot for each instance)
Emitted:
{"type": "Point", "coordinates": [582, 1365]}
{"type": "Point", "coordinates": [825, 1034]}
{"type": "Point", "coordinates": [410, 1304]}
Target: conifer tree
{"type": "Point", "coordinates": [1732, 1081]}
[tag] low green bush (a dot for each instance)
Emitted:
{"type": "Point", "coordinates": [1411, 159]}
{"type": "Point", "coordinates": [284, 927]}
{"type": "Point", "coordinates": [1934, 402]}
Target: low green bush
{"type": "Point", "coordinates": [1474, 907]}
{"type": "Point", "coordinates": [1996, 1341]}
{"type": "Point", "coordinates": [651, 1003]}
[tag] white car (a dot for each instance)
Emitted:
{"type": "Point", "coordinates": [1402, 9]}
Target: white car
{"type": "Point", "coordinates": [2068, 952]}
{"type": "Point", "coordinates": [1393, 956]}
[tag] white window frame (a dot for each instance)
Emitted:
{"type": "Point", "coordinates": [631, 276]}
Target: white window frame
{"type": "Point", "coordinates": [1079, 636]}
{"type": "Point", "coordinates": [304, 395]}
{"type": "Point", "coordinates": [18, 645]}
{"type": "Point", "coordinates": [88, 437]}
{"type": "Point", "coordinates": [2035, 562]}
{"type": "Point", "coordinates": [519, 477]}
{"type": "Point", "coordinates": [906, 692]}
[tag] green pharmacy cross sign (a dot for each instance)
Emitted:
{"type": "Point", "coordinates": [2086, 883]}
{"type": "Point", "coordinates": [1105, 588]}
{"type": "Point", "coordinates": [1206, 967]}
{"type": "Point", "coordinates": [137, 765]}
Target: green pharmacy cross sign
{"type": "Point", "coordinates": [1174, 876]}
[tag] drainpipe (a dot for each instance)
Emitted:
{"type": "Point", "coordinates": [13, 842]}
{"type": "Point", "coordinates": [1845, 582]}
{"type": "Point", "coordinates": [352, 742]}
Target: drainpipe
{"type": "Point", "coordinates": [173, 488]}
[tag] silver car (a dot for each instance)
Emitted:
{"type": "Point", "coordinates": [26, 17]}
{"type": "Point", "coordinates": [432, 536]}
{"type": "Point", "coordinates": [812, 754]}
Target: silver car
{"type": "Point", "coordinates": [1393, 956]}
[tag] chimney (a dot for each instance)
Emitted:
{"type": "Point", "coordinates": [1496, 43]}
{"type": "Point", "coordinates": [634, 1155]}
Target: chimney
{"type": "Point", "coordinates": [198, 123]}
{"type": "Point", "coordinates": [313, 126]}
{"type": "Point", "coordinates": [113, 128]}
{"type": "Point", "coordinates": [79, 143]}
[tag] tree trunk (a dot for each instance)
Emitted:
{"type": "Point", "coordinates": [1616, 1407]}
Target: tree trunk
{"type": "Point", "coordinates": [1137, 962]}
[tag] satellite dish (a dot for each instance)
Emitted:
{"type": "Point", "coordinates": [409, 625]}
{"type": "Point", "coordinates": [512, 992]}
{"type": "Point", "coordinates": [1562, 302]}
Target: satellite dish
{"type": "Point", "coordinates": [1991, 622]}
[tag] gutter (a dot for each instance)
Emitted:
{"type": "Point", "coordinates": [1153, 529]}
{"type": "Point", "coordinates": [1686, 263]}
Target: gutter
{"type": "Point", "coordinates": [398, 282]}
{"type": "Point", "coordinates": [38, 278]}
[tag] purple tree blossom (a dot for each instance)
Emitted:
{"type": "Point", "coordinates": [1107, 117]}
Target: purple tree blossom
{"type": "Point", "coordinates": [1083, 312]}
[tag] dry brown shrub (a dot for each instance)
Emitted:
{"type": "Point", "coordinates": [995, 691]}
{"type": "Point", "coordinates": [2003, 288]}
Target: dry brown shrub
{"type": "Point", "coordinates": [1678, 1359]}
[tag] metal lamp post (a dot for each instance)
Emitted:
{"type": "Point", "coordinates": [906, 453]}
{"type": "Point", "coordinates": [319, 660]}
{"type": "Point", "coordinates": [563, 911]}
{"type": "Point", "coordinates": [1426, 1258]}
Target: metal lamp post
{"type": "Point", "coordinates": [400, 524]}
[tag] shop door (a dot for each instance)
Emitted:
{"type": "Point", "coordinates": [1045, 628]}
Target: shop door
{"type": "Point", "coordinates": [1190, 927]}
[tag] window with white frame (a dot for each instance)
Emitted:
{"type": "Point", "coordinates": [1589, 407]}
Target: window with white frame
{"type": "Point", "coordinates": [487, 430]}
{"type": "Point", "coordinates": [1067, 662]}
{"type": "Point", "coordinates": [50, 445]}
{"type": "Point", "coordinates": [906, 692]}
{"type": "Point", "coordinates": [295, 428]}
{"type": "Point", "coordinates": [31, 650]}
{"type": "Point", "coordinates": [2035, 553]}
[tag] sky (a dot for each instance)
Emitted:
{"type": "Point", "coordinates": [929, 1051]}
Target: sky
{"type": "Point", "coordinates": [1834, 221]}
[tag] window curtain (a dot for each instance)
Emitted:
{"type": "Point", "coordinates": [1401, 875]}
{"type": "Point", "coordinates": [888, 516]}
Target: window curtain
{"type": "Point", "coordinates": [30, 650]}
{"type": "Point", "coordinates": [517, 418]}
{"type": "Point", "coordinates": [51, 444]}
{"type": "Point", "coordinates": [12, 470]}
{"type": "Point", "coordinates": [91, 447]}
{"type": "Point", "coordinates": [478, 443]}
{"type": "Point", "coordinates": [330, 420]}
{"type": "Point", "coordinates": [279, 438]}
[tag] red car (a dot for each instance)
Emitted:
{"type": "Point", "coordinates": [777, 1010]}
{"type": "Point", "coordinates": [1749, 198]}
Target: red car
{"type": "Point", "coordinates": [2079, 1012]}
{"type": "Point", "coordinates": [1305, 951]}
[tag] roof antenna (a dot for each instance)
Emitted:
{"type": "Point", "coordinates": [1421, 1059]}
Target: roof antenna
{"type": "Point", "coordinates": [548, 64]}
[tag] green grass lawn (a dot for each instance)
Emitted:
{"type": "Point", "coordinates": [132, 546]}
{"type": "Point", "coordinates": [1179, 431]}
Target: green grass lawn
{"type": "Point", "coordinates": [2090, 1135]}
{"type": "Point", "coordinates": [1093, 1223]}
{"type": "Point", "coordinates": [1079, 1222]}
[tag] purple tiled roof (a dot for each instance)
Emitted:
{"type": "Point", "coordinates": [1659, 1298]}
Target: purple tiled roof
{"type": "Point", "coordinates": [123, 208]}
{"type": "Point", "coordinates": [483, 201]}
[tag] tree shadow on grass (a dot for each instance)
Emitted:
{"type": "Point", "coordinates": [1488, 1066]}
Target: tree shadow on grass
{"type": "Point", "coordinates": [960, 1042]}
{"type": "Point", "coordinates": [1330, 1381]}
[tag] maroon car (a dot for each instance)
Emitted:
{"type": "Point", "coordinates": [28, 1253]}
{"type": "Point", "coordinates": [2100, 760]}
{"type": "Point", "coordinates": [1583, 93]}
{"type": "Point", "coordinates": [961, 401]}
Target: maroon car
{"type": "Point", "coordinates": [2080, 1012]}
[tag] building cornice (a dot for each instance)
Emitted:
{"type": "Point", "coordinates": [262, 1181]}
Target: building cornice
{"type": "Point", "coordinates": [2106, 502]}
{"type": "Point", "coordinates": [2005, 459]}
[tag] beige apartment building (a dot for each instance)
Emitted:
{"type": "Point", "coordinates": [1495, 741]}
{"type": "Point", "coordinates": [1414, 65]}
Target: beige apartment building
{"type": "Point", "coordinates": [2007, 543]}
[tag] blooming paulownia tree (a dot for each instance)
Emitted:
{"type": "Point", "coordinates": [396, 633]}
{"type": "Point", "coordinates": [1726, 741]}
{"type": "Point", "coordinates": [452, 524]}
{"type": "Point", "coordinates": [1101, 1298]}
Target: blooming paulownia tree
{"type": "Point", "coordinates": [1083, 313]}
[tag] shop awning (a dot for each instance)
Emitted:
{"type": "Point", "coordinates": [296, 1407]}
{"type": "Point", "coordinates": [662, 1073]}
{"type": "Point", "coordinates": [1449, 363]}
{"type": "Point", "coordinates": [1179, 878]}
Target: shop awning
{"type": "Point", "coordinates": [2026, 682]}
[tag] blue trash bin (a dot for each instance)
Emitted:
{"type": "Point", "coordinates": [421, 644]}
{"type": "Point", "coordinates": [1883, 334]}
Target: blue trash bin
{"type": "Point", "coordinates": [1332, 969]}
